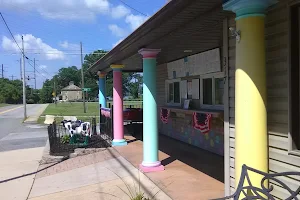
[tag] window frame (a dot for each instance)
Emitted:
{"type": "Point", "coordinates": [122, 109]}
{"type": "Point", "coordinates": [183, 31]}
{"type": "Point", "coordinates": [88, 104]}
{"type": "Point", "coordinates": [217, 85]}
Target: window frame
{"type": "Point", "coordinates": [172, 81]}
{"type": "Point", "coordinates": [213, 76]}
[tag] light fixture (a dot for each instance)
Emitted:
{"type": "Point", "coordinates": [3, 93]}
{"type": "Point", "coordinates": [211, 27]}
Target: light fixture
{"type": "Point", "coordinates": [188, 51]}
{"type": "Point", "coordinates": [235, 33]}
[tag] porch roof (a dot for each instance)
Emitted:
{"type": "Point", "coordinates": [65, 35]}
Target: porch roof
{"type": "Point", "coordinates": [181, 28]}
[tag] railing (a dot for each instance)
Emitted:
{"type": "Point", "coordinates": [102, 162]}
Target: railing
{"type": "Point", "coordinates": [61, 142]}
{"type": "Point", "coordinates": [106, 123]}
{"type": "Point", "coordinates": [246, 190]}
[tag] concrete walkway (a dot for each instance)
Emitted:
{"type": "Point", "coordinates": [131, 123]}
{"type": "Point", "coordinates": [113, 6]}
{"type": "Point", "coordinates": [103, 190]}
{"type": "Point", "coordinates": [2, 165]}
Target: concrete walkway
{"type": "Point", "coordinates": [96, 176]}
{"type": "Point", "coordinates": [15, 164]}
{"type": "Point", "coordinates": [21, 149]}
{"type": "Point", "coordinates": [34, 117]}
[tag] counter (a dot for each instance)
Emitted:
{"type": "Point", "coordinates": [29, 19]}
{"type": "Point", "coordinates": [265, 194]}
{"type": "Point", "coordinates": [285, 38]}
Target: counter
{"type": "Point", "coordinates": [200, 128]}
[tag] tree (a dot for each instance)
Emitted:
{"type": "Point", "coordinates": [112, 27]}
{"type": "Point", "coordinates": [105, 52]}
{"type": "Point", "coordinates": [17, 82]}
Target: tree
{"type": "Point", "coordinates": [10, 91]}
{"type": "Point", "coordinates": [46, 92]}
{"type": "Point", "coordinates": [135, 85]}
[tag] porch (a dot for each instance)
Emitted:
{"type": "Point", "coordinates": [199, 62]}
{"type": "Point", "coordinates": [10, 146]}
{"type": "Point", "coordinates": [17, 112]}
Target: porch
{"type": "Point", "coordinates": [190, 173]}
{"type": "Point", "coordinates": [196, 44]}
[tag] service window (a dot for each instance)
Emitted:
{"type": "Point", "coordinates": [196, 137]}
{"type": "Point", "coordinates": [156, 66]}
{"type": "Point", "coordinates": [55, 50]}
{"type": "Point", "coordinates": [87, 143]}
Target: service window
{"type": "Point", "coordinates": [173, 92]}
{"type": "Point", "coordinates": [212, 87]}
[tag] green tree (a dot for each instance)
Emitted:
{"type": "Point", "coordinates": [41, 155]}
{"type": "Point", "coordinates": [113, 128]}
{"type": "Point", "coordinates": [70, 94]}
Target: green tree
{"type": "Point", "coordinates": [135, 85]}
{"type": "Point", "coordinates": [45, 93]}
{"type": "Point", "coordinates": [10, 91]}
{"type": "Point", "coordinates": [91, 79]}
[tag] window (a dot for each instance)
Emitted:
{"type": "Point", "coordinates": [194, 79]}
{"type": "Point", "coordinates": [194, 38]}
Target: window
{"type": "Point", "coordinates": [219, 91]}
{"type": "Point", "coordinates": [294, 84]}
{"type": "Point", "coordinates": [212, 95]}
{"type": "Point", "coordinates": [207, 91]}
{"type": "Point", "coordinates": [173, 92]}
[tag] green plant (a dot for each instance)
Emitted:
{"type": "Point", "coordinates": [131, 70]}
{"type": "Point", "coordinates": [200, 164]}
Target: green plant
{"type": "Point", "coordinates": [65, 139]}
{"type": "Point", "coordinates": [136, 194]}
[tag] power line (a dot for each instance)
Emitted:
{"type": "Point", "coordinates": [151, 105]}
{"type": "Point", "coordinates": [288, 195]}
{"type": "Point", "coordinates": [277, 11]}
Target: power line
{"type": "Point", "coordinates": [132, 8]}
{"type": "Point", "coordinates": [12, 34]}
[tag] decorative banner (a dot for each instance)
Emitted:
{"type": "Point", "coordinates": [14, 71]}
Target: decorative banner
{"type": "Point", "coordinates": [164, 115]}
{"type": "Point", "coordinates": [105, 112]}
{"type": "Point", "coordinates": [202, 122]}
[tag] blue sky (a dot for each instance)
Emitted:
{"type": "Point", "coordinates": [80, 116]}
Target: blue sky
{"type": "Point", "coordinates": [53, 30]}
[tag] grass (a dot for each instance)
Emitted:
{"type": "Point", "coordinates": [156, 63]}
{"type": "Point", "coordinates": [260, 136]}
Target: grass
{"type": "Point", "coordinates": [3, 104]}
{"type": "Point", "coordinates": [76, 109]}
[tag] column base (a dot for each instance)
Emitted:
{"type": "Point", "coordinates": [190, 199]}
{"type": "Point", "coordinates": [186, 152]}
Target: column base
{"type": "Point", "coordinates": [119, 143]}
{"type": "Point", "coordinates": [152, 167]}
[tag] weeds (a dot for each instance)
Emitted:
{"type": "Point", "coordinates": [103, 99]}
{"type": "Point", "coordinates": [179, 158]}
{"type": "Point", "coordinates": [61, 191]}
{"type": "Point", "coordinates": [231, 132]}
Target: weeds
{"type": "Point", "coordinates": [136, 194]}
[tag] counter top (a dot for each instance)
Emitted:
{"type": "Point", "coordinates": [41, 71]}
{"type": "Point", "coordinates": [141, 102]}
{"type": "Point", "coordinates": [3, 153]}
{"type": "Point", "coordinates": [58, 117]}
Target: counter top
{"type": "Point", "coordinates": [177, 109]}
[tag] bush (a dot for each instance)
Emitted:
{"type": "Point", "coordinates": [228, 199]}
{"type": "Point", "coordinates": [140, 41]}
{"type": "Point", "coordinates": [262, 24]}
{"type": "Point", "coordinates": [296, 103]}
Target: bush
{"type": "Point", "coordinates": [30, 101]}
{"type": "Point", "coordinates": [65, 139]}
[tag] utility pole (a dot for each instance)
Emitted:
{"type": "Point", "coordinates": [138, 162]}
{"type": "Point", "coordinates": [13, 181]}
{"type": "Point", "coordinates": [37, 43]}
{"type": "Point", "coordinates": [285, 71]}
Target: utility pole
{"type": "Point", "coordinates": [12, 77]}
{"type": "Point", "coordinates": [54, 88]}
{"type": "Point", "coordinates": [21, 70]}
{"type": "Point", "coordinates": [82, 79]}
{"type": "Point", "coordinates": [34, 73]}
{"type": "Point", "coordinates": [2, 71]}
{"type": "Point", "coordinates": [24, 83]}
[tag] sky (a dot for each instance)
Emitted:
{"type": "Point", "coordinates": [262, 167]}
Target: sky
{"type": "Point", "coordinates": [52, 31]}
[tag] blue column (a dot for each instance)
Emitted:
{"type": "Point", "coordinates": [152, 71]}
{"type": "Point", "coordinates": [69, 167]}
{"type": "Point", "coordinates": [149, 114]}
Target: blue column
{"type": "Point", "coordinates": [151, 161]}
{"type": "Point", "coordinates": [102, 89]}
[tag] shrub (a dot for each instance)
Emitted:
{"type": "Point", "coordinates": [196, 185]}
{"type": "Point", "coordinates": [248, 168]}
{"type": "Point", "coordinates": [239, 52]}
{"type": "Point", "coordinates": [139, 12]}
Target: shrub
{"type": "Point", "coordinates": [65, 139]}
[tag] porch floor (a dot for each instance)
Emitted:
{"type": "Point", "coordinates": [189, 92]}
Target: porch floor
{"type": "Point", "coordinates": [190, 173]}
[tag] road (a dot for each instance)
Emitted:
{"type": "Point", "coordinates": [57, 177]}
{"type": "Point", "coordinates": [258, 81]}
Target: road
{"type": "Point", "coordinates": [21, 149]}
{"type": "Point", "coordinates": [16, 135]}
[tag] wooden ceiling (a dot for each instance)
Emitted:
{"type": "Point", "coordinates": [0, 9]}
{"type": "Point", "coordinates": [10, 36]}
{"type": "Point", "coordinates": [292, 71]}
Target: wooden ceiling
{"type": "Point", "coordinates": [181, 25]}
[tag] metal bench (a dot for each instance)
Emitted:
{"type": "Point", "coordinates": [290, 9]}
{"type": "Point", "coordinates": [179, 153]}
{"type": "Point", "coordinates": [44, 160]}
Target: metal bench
{"type": "Point", "coordinates": [245, 189]}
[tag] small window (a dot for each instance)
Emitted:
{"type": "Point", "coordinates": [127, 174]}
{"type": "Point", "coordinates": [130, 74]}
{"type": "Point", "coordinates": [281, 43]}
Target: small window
{"type": "Point", "coordinates": [207, 91]}
{"type": "Point", "coordinates": [219, 91]}
{"type": "Point", "coordinates": [176, 92]}
{"type": "Point", "coordinates": [212, 95]}
{"type": "Point", "coordinates": [173, 92]}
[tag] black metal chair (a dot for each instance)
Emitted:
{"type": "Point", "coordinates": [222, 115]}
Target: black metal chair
{"type": "Point", "coordinates": [246, 190]}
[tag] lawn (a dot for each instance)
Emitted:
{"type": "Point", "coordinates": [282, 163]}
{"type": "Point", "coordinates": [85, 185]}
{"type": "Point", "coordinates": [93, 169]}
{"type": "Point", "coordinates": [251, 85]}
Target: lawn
{"type": "Point", "coordinates": [3, 104]}
{"type": "Point", "coordinates": [76, 109]}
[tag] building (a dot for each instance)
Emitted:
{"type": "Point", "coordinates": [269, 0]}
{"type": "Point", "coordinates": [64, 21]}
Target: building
{"type": "Point", "coordinates": [237, 61]}
{"type": "Point", "coordinates": [71, 92]}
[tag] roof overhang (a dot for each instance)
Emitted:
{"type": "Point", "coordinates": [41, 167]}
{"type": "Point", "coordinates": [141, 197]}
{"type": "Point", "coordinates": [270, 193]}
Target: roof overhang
{"type": "Point", "coordinates": [181, 28]}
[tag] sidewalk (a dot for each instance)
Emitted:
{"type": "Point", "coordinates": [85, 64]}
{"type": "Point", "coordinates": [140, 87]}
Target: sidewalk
{"type": "Point", "coordinates": [15, 164]}
{"type": "Point", "coordinates": [99, 175]}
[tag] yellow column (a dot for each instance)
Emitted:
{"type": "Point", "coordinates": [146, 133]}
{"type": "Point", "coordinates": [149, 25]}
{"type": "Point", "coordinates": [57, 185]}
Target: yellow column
{"type": "Point", "coordinates": [251, 138]}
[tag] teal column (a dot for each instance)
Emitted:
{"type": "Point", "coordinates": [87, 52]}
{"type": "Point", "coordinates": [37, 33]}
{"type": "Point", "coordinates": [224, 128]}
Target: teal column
{"type": "Point", "coordinates": [150, 129]}
{"type": "Point", "coordinates": [102, 89]}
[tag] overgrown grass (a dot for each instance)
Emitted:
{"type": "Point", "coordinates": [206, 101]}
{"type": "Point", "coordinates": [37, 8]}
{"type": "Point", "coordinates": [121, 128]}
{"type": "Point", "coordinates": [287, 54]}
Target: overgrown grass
{"type": "Point", "coordinates": [3, 104]}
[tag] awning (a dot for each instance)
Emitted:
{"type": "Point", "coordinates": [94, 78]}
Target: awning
{"type": "Point", "coordinates": [181, 28]}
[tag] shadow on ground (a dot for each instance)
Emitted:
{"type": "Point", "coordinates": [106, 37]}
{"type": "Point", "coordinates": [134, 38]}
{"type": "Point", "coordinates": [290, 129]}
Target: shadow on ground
{"type": "Point", "coordinates": [204, 161]}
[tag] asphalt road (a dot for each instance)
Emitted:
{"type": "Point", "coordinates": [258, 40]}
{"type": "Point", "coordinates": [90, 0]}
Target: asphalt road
{"type": "Point", "coordinates": [14, 134]}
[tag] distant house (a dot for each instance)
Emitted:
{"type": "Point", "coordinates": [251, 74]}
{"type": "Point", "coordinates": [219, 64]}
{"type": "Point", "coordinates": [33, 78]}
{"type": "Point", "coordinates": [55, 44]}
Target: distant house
{"type": "Point", "coordinates": [71, 92]}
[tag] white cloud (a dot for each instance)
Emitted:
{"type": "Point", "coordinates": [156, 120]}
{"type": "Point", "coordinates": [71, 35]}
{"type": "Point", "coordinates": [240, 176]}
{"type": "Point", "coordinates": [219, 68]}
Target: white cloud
{"type": "Point", "coordinates": [135, 20]}
{"type": "Point", "coordinates": [119, 12]}
{"type": "Point", "coordinates": [61, 9]}
{"type": "Point", "coordinates": [118, 42]}
{"type": "Point", "coordinates": [66, 45]}
{"type": "Point", "coordinates": [117, 31]}
{"type": "Point", "coordinates": [43, 67]}
{"type": "Point", "coordinates": [33, 45]}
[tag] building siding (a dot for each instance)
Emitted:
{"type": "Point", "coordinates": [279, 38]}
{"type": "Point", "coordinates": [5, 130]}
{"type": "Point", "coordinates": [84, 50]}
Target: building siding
{"type": "Point", "coordinates": [162, 75]}
{"type": "Point", "coordinates": [277, 56]}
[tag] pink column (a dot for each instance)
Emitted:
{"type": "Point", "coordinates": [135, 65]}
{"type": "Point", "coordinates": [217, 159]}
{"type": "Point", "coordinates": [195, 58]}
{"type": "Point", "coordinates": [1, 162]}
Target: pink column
{"type": "Point", "coordinates": [118, 106]}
